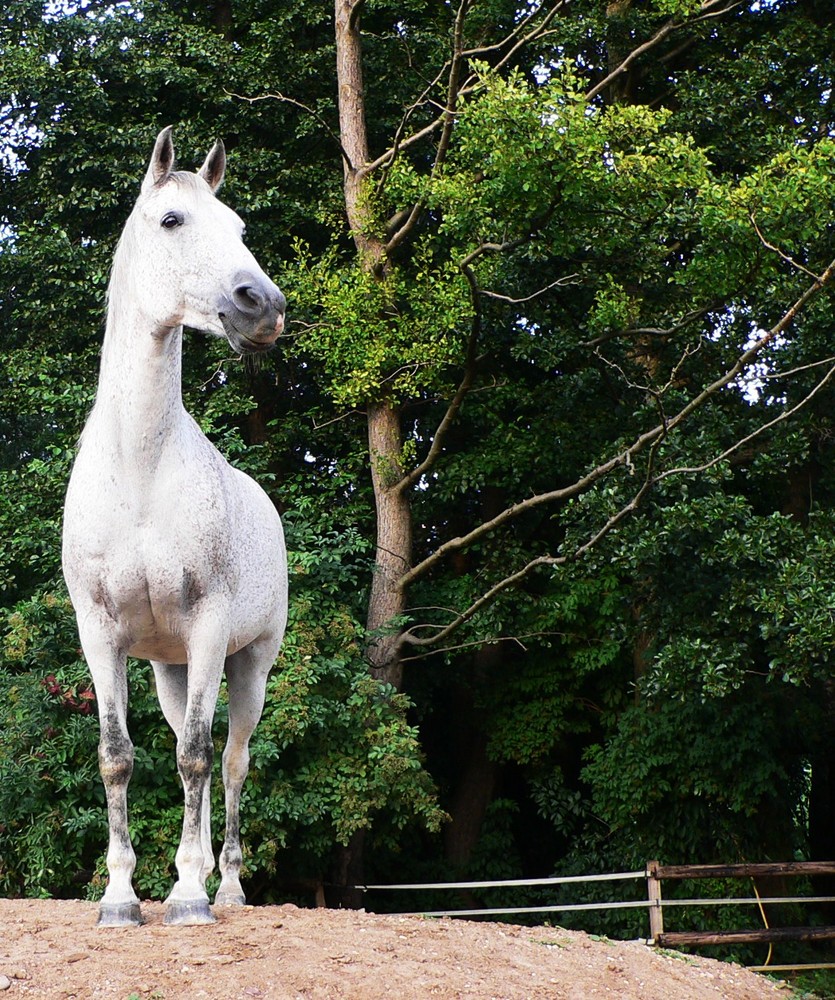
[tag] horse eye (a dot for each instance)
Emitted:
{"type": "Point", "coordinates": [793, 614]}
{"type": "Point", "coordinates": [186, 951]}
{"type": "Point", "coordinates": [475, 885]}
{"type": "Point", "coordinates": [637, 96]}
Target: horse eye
{"type": "Point", "coordinates": [171, 220]}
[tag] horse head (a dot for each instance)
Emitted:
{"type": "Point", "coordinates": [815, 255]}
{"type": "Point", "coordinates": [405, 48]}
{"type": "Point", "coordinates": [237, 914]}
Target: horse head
{"type": "Point", "coordinates": [184, 252]}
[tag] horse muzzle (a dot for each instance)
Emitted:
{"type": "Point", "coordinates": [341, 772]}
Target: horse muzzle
{"type": "Point", "coordinates": [252, 314]}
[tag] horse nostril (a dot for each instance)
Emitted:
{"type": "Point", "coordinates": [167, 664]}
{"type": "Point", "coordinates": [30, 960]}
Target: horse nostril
{"type": "Point", "coordinates": [249, 300]}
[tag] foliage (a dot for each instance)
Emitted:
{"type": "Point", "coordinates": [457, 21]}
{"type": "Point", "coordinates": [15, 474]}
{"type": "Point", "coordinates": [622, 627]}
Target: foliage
{"type": "Point", "coordinates": [51, 799]}
{"type": "Point", "coordinates": [334, 753]}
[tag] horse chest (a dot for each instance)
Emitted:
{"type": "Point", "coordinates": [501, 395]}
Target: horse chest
{"type": "Point", "coordinates": [147, 550]}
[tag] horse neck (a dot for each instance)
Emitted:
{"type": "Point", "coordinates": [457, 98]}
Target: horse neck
{"type": "Point", "coordinates": [139, 398]}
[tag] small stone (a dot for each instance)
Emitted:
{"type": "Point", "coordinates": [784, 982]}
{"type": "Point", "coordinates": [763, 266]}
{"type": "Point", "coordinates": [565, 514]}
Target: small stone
{"type": "Point", "coordinates": [5, 983]}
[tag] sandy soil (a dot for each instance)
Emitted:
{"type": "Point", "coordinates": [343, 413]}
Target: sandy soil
{"type": "Point", "coordinates": [52, 948]}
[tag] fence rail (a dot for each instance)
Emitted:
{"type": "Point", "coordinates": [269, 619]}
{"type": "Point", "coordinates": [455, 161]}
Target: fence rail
{"type": "Point", "coordinates": [655, 904]}
{"type": "Point", "coordinates": [510, 883]}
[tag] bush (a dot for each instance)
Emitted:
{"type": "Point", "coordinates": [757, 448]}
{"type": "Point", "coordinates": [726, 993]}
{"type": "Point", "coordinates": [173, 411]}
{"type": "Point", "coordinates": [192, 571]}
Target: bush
{"type": "Point", "coordinates": [334, 754]}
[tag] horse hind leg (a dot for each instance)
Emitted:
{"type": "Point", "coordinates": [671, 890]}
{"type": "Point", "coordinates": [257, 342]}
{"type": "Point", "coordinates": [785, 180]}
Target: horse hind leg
{"type": "Point", "coordinates": [187, 698]}
{"type": "Point", "coordinates": [246, 676]}
{"type": "Point", "coordinates": [172, 692]}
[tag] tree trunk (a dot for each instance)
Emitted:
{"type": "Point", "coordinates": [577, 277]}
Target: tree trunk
{"type": "Point", "coordinates": [618, 46]}
{"type": "Point", "coordinates": [353, 132]}
{"type": "Point", "coordinates": [476, 783]}
{"type": "Point", "coordinates": [343, 892]}
{"type": "Point", "coordinates": [222, 18]}
{"type": "Point", "coordinates": [394, 539]}
{"type": "Point", "coordinates": [394, 522]}
{"type": "Point", "coordinates": [822, 799]}
{"type": "Point", "coordinates": [476, 772]}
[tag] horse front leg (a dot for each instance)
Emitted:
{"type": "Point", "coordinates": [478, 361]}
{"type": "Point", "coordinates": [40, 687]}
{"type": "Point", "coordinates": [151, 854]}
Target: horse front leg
{"type": "Point", "coordinates": [188, 902]}
{"type": "Point", "coordinates": [119, 905]}
{"type": "Point", "coordinates": [246, 676]}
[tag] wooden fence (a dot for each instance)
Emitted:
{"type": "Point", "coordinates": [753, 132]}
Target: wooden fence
{"type": "Point", "coordinates": [657, 873]}
{"type": "Point", "coordinates": [655, 904]}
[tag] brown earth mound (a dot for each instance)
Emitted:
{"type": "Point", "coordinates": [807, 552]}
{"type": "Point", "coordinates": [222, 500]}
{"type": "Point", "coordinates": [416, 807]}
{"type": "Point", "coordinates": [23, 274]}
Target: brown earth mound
{"type": "Point", "coordinates": [52, 948]}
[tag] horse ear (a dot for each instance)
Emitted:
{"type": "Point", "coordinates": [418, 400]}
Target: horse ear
{"type": "Point", "coordinates": [214, 166]}
{"type": "Point", "coordinates": [162, 159]}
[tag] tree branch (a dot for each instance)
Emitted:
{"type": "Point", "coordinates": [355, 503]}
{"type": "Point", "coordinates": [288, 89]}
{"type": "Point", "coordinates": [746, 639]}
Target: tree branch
{"type": "Point", "coordinates": [481, 642]}
{"type": "Point", "coordinates": [457, 400]}
{"type": "Point", "coordinates": [443, 120]}
{"type": "Point", "coordinates": [569, 279]}
{"type": "Point", "coordinates": [653, 331]}
{"type": "Point", "coordinates": [475, 332]}
{"type": "Point", "coordinates": [278, 96]}
{"type": "Point", "coordinates": [650, 480]}
{"type": "Point", "coordinates": [708, 8]}
{"type": "Point", "coordinates": [778, 251]}
{"type": "Point", "coordinates": [780, 418]}
{"type": "Point", "coordinates": [514, 578]}
{"type": "Point", "coordinates": [625, 458]}
{"type": "Point", "coordinates": [447, 121]}
{"type": "Point", "coordinates": [517, 31]}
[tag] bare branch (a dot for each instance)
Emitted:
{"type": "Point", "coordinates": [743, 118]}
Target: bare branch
{"type": "Point", "coordinates": [491, 640]}
{"type": "Point", "coordinates": [482, 601]}
{"type": "Point", "coordinates": [448, 119]}
{"type": "Point", "coordinates": [384, 158]}
{"type": "Point", "coordinates": [708, 8]}
{"type": "Point", "coordinates": [800, 368]}
{"type": "Point", "coordinates": [781, 418]}
{"type": "Point", "coordinates": [452, 85]}
{"type": "Point", "coordinates": [336, 420]}
{"type": "Point", "coordinates": [514, 578]}
{"type": "Point", "coordinates": [528, 234]}
{"type": "Point", "coordinates": [278, 96]}
{"type": "Point", "coordinates": [475, 332]}
{"type": "Point", "coordinates": [779, 252]}
{"type": "Point", "coordinates": [655, 393]}
{"type": "Point", "coordinates": [646, 440]}
{"type": "Point", "coordinates": [569, 279]}
{"type": "Point", "coordinates": [718, 12]}
{"type": "Point", "coordinates": [219, 370]}
{"type": "Point", "coordinates": [422, 100]}
{"type": "Point", "coordinates": [457, 400]}
{"type": "Point", "coordinates": [517, 31]}
{"type": "Point", "coordinates": [537, 32]}
{"type": "Point", "coordinates": [401, 234]}
{"type": "Point", "coordinates": [652, 331]}
{"type": "Point", "coordinates": [456, 88]}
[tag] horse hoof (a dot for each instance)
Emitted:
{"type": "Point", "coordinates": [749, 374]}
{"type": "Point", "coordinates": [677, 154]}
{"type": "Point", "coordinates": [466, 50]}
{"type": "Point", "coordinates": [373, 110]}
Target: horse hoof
{"type": "Point", "coordinates": [230, 899]}
{"type": "Point", "coordinates": [119, 915]}
{"type": "Point", "coordinates": [192, 911]}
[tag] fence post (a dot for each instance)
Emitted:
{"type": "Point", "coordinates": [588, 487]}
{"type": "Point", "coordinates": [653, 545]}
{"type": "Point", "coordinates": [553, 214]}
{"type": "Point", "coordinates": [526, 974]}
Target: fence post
{"type": "Point", "coordinates": [656, 914]}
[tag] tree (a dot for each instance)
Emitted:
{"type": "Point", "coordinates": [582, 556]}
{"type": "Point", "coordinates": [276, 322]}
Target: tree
{"type": "Point", "coordinates": [471, 159]}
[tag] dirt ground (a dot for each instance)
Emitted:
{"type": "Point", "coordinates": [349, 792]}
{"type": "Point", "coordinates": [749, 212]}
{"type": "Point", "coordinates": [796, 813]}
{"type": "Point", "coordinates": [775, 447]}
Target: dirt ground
{"type": "Point", "coordinates": [52, 948]}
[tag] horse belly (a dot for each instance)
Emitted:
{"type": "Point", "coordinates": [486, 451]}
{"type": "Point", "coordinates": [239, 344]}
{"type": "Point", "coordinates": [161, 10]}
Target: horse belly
{"type": "Point", "coordinates": [162, 648]}
{"type": "Point", "coordinates": [260, 597]}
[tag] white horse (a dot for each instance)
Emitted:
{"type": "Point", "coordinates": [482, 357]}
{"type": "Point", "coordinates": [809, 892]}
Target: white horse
{"type": "Point", "coordinates": [169, 553]}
